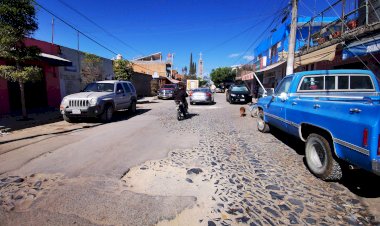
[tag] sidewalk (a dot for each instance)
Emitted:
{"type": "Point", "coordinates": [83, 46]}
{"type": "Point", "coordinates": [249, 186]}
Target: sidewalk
{"type": "Point", "coordinates": [10, 123]}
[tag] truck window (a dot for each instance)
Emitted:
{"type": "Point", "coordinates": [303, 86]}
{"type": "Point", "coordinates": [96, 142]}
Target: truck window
{"type": "Point", "coordinates": [330, 82]}
{"type": "Point", "coordinates": [312, 83]}
{"type": "Point", "coordinates": [360, 82]}
{"type": "Point", "coordinates": [342, 82]}
{"type": "Point", "coordinates": [284, 86]}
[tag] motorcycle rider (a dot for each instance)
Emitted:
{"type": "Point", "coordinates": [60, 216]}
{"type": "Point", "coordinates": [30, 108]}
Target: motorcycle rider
{"type": "Point", "coordinates": [180, 95]}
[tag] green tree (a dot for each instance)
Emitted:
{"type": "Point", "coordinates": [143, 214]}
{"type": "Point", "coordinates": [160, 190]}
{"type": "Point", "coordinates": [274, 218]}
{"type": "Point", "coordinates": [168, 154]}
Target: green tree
{"type": "Point", "coordinates": [123, 69]}
{"type": "Point", "coordinates": [193, 67]}
{"type": "Point", "coordinates": [222, 74]}
{"type": "Point", "coordinates": [17, 21]}
{"type": "Point", "coordinates": [91, 69]}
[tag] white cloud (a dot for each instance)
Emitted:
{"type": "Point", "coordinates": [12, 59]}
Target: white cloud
{"type": "Point", "coordinates": [234, 55]}
{"type": "Point", "coordinates": [248, 58]}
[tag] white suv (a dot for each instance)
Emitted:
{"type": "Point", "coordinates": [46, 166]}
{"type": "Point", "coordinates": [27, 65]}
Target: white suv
{"type": "Point", "coordinates": [99, 99]}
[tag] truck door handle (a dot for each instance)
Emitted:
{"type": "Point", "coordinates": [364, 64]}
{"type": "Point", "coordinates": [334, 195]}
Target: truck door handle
{"type": "Point", "coordinates": [317, 106]}
{"type": "Point", "coordinates": [294, 103]}
{"type": "Point", "coordinates": [355, 110]}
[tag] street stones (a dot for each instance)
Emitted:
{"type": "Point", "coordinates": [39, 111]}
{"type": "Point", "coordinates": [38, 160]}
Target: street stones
{"type": "Point", "coordinates": [18, 193]}
{"type": "Point", "coordinates": [254, 178]}
{"type": "Point", "coordinates": [194, 171]}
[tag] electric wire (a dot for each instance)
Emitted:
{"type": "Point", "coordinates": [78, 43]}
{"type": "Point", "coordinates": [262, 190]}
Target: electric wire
{"type": "Point", "coordinates": [353, 34]}
{"type": "Point", "coordinates": [74, 28]}
{"type": "Point", "coordinates": [100, 27]}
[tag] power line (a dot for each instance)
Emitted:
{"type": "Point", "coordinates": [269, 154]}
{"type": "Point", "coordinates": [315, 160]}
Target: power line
{"type": "Point", "coordinates": [353, 34]}
{"type": "Point", "coordinates": [235, 36]}
{"type": "Point", "coordinates": [283, 12]}
{"type": "Point", "coordinates": [71, 26]}
{"type": "Point", "coordinates": [100, 27]}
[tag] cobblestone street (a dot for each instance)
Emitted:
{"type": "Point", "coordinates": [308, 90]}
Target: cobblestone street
{"type": "Point", "coordinates": [241, 176]}
{"type": "Point", "coordinates": [232, 175]}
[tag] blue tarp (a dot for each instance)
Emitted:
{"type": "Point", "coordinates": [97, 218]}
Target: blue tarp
{"type": "Point", "coordinates": [362, 48]}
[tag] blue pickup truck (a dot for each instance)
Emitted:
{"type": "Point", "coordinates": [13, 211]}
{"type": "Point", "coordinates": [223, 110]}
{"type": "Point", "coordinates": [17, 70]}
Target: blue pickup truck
{"type": "Point", "coordinates": [335, 112]}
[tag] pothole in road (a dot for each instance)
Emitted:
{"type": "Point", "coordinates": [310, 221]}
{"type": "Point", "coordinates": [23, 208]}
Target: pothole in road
{"type": "Point", "coordinates": [19, 193]}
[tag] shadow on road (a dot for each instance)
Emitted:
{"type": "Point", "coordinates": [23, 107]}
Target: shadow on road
{"type": "Point", "coordinates": [36, 117]}
{"type": "Point", "coordinates": [359, 182]}
{"type": "Point", "coordinates": [292, 142]}
{"type": "Point", "coordinates": [190, 115]}
{"type": "Point", "coordinates": [93, 122]}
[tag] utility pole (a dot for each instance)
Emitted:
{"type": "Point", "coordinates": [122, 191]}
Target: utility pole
{"type": "Point", "coordinates": [292, 38]}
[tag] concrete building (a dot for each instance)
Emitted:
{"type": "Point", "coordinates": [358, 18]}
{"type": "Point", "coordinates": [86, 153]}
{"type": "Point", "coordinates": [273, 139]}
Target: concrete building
{"type": "Point", "coordinates": [73, 78]}
{"type": "Point", "coordinates": [40, 94]}
{"type": "Point", "coordinates": [152, 65]}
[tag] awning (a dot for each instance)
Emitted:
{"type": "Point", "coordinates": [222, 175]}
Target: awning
{"type": "Point", "coordinates": [54, 60]}
{"type": "Point", "coordinates": [151, 57]}
{"type": "Point", "coordinates": [362, 47]}
{"type": "Point", "coordinates": [246, 77]}
{"type": "Point", "coordinates": [272, 66]}
{"type": "Point", "coordinates": [325, 54]}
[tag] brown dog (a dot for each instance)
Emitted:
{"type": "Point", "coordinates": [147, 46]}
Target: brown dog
{"type": "Point", "coordinates": [242, 111]}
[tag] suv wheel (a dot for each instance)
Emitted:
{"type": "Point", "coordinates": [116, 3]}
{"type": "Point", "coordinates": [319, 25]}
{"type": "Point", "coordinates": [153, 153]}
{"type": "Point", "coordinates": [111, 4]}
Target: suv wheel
{"type": "Point", "coordinates": [107, 114]}
{"type": "Point", "coordinates": [68, 119]}
{"type": "Point", "coordinates": [132, 108]}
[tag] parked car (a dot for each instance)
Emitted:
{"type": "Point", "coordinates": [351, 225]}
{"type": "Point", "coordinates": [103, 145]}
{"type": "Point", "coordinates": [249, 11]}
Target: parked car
{"type": "Point", "coordinates": [99, 100]}
{"type": "Point", "coordinates": [201, 95]}
{"type": "Point", "coordinates": [167, 91]}
{"type": "Point", "coordinates": [219, 89]}
{"type": "Point", "coordinates": [238, 94]}
{"type": "Point", "coordinates": [335, 112]}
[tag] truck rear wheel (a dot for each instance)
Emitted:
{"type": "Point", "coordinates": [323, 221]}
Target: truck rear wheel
{"type": "Point", "coordinates": [262, 126]}
{"type": "Point", "coordinates": [320, 159]}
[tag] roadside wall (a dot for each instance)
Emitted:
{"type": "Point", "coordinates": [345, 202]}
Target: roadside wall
{"type": "Point", "coordinates": [70, 77]}
{"type": "Point", "coordinates": [142, 83]}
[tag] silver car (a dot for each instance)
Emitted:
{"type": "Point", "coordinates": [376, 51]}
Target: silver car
{"type": "Point", "coordinates": [201, 95]}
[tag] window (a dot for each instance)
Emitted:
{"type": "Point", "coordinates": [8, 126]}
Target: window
{"type": "Point", "coordinates": [360, 82]}
{"type": "Point", "coordinates": [132, 87]}
{"type": "Point", "coordinates": [342, 82]}
{"type": "Point", "coordinates": [329, 82]}
{"type": "Point", "coordinates": [284, 86]}
{"type": "Point", "coordinates": [99, 87]}
{"type": "Point", "coordinates": [118, 88]}
{"type": "Point", "coordinates": [126, 87]}
{"type": "Point", "coordinates": [312, 83]}
{"type": "Point", "coordinates": [239, 89]}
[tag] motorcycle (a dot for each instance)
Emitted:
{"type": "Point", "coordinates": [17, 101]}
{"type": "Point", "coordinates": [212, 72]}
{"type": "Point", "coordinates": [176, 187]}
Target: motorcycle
{"type": "Point", "coordinates": [181, 110]}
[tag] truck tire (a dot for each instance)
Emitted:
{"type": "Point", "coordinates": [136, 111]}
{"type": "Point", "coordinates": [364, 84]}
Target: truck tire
{"type": "Point", "coordinates": [107, 114]}
{"type": "Point", "coordinates": [132, 108]}
{"type": "Point", "coordinates": [262, 126]}
{"type": "Point", "coordinates": [320, 159]}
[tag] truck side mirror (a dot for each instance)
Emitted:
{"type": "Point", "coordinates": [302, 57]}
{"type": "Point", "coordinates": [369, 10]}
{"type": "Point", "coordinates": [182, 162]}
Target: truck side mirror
{"type": "Point", "coordinates": [283, 96]}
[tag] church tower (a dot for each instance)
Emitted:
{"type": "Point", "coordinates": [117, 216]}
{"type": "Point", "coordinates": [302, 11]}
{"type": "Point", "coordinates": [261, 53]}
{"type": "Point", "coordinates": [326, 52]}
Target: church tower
{"type": "Point", "coordinates": [200, 67]}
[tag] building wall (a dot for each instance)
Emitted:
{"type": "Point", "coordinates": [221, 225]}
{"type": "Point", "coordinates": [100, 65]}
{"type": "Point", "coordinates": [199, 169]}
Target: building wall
{"type": "Point", "coordinates": [4, 97]}
{"type": "Point", "coordinates": [70, 77]}
{"type": "Point", "coordinates": [142, 84]}
{"type": "Point", "coordinates": [149, 67]}
{"type": "Point", "coordinates": [50, 75]}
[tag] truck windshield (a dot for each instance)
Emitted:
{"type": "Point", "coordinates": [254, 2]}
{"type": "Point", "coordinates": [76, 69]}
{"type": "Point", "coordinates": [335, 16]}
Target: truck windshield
{"type": "Point", "coordinates": [284, 86]}
{"type": "Point", "coordinates": [99, 87]}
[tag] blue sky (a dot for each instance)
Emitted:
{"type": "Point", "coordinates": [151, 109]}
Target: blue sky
{"type": "Point", "coordinates": [224, 31]}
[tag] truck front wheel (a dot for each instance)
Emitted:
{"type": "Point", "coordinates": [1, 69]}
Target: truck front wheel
{"type": "Point", "coordinates": [262, 126]}
{"type": "Point", "coordinates": [320, 159]}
